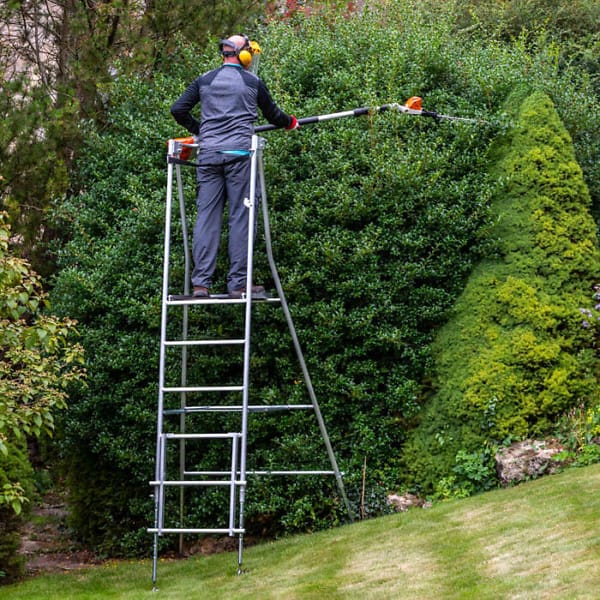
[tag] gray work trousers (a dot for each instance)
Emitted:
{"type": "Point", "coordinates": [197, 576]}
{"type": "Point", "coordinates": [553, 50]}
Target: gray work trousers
{"type": "Point", "coordinates": [221, 177]}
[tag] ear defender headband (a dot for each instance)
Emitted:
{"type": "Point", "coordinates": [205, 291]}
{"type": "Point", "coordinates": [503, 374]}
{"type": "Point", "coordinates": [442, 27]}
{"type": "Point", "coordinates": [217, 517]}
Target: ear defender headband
{"type": "Point", "coordinates": [244, 53]}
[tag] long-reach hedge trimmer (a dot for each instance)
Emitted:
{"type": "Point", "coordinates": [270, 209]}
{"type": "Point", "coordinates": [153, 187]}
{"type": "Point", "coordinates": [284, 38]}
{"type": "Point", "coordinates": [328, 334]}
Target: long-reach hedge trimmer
{"type": "Point", "coordinates": [413, 106]}
{"type": "Point", "coordinates": [184, 147]}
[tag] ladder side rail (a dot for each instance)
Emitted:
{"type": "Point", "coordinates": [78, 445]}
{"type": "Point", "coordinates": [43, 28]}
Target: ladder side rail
{"type": "Point", "coordinates": [161, 482]}
{"type": "Point", "coordinates": [158, 506]}
{"type": "Point", "coordinates": [155, 545]}
{"type": "Point", "coordinates": [232, 483]}
{"type": "Point", "coordinates": [187, 256]}
{"type": "Point", "coordinates": [158, 500]}
{"type": "Point", "coordinates": [296, 342]}
{"type": "Point", "coordinates": [184, 347]}
{"type": "Point", "coordinates": [254, 150]}
{"type": "Point", "coordinates": [163, 325]}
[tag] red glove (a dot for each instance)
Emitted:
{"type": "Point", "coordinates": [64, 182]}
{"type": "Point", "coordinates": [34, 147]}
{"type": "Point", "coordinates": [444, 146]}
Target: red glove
{"type": "Point", "coordinates": [293, 125]}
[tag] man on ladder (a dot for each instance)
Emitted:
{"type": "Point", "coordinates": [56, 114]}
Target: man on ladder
{"type": "Point", "coordinates": [229, 97]}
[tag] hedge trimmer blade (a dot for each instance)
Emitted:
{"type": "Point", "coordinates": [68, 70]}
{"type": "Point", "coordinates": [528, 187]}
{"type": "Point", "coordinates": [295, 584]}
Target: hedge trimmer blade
{"type": "Point", "coordinates": [414, 106]}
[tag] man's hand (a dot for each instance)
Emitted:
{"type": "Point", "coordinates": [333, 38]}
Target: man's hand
{"type": "Point", "coordinates": [293, 125]}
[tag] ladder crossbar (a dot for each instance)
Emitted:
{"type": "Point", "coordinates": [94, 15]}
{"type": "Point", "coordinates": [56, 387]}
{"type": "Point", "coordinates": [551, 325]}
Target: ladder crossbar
{"type": "Point", "coordinates": [187, 301]}
{"type": "Point", "coordinates": [203, 342]}
{"type": "Point", "coordinates": [193, 530]}
{"type": "Point", "coordinates": [204, 388]}
{"type": "Point", "coordinates": [226, 473]}
{"type": "Point", "coordinates": [290, 472]}
{"type": "Point", "coordinates": [205, 436]}
{"type": "Point", "coordinates": [238, 408]}
{"type": "Point", "coordinates": [192, 483]}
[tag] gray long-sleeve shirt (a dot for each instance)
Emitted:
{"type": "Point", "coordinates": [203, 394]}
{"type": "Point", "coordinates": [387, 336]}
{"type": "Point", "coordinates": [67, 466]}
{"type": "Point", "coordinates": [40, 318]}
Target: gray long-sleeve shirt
{"type": "Point", "coordinates": [229, 97]}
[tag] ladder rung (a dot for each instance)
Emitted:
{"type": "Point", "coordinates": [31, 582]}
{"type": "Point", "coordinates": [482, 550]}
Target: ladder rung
{"type": "Point", "coordinates": [208, 473]}
{"type": "Point", "coordinates": [237, 408]}
{"type": "Point", "coordinates": [204, 342]}
{"type": "Point", "coordinates": [194, 530]}
{"type": "Point", "coordinates": [204, 436]}
{"type": "Point", "coordinates": [276, 407]}
{"type": "Point", "coordinates": [190, 483]}
{"type": "Point", "coordinates": [205, 388]}
{"type": "Point", "coordinates": [214, 299]}
{"type": "Point", "coordinates": [228, 474]}
{"type": "Point", "coordinates": [175, 300]}
{"type": "Point", "coordinates": [290, 472]}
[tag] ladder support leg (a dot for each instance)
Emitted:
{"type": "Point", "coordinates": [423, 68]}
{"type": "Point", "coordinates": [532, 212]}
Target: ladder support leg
{"type": "Point", "coordinates": [297, 347]}
{"type": "Point", "coordinates": [155, 549]}
{"type": "Point", "coordinates": [241, 525]}
{"type": "Point", "coordinates": [256, 153]}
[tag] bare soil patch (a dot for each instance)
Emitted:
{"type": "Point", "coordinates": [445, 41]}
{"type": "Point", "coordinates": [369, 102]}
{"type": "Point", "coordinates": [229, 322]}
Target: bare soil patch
{"type": "Point", "coordinates": [48, 546]}
{"type": "Point", "coordinates": [46, 542]}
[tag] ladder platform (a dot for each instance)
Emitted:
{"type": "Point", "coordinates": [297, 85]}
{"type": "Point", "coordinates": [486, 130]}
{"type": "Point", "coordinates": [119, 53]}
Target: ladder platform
{"type": "Point", "coordinates": [238, 408]}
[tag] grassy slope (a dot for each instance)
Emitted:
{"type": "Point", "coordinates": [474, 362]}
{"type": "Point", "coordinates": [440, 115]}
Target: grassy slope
{"type": "Point", "coordinates": [538, 540]}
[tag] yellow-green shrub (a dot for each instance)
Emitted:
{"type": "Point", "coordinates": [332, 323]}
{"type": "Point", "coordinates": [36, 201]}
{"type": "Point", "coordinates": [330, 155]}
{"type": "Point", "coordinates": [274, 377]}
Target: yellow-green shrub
{"type": "Point", "coordinates": [515, 355]}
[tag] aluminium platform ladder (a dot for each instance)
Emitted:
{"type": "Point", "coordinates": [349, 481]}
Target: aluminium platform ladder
{"type": "Point", "coordinates": [236, 478]}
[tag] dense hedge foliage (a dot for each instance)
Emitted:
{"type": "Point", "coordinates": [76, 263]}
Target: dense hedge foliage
{"type": "Point", "coordinates": [515, 355]}
{"type": "Point", "coordinates": [377, 222]}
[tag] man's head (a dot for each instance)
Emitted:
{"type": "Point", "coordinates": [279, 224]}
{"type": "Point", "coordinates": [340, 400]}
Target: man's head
{"type": "Point", "coordinates": [236, 49]}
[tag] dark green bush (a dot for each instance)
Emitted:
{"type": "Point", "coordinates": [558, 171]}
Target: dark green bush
{"type": "Point", "coordinates": [376, 221]}
{"type": "Point", "coordinates": [515, 356]}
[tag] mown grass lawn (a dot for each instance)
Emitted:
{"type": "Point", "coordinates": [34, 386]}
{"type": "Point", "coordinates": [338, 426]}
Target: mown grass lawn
{"type": "Point", "coordinates": [538, 540]}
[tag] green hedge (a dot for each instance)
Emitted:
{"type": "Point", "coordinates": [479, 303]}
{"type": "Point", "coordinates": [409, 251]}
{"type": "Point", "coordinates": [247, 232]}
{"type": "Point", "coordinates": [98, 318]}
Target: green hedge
{"type": "Point", "coordinates": [515, 355]}
{"type": "Point", "coordinates": [377, 222]}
